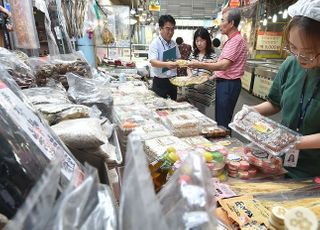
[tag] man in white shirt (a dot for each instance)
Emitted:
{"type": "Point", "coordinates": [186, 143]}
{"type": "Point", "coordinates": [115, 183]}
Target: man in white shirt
{"type": "Point", "coordinates": [162, 55]}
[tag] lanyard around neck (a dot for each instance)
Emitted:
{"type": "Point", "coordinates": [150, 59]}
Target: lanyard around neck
{"type": "Point", "coordinates": [168, 44]}
{"type": "Point", "coordinates": [303, 109]}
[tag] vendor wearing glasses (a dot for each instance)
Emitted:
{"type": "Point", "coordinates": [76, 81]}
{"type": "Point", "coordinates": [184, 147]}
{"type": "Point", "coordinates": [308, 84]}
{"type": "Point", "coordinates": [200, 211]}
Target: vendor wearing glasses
{"type": "Point", "coordinates": [162, 55]}
{"type": "Point", "coordinates": [295, 91]}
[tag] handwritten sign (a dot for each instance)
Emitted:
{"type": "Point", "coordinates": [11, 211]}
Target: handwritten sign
{"type": "Point", "coordinates": [267, 40]}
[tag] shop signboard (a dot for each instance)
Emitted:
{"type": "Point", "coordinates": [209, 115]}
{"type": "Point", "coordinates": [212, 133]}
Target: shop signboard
{"type": "Point", "coordinates": [268, 40]}
{"type": "Point", "coordinates": [154, 5]}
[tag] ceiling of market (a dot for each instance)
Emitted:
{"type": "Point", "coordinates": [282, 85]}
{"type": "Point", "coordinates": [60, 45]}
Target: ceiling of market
{"type": "Point", "coordinates": [181, 9]}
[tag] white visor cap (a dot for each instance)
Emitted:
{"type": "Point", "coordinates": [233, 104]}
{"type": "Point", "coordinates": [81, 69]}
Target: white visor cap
{"type": "Point", "coordinates": [307, 8]}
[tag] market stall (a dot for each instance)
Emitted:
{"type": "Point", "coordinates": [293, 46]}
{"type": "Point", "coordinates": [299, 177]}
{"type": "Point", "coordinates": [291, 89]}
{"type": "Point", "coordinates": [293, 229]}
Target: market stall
{"type": "Point", "coordinates": [85, 148]}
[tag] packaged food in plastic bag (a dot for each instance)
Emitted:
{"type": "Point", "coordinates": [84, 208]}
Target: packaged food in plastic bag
{"type": "Point", "coordinates": [104, 216]}
{"type": "Point", "coordinates": [47, 95]}
{"type": "Point", "coordinates": [57, 67]}
{"type": "Point", "coordinates": [76, 203]}
{"type": "Point", "coordinates": [52, 44]}
{"type": "Point", "coordinates": [182, 124]}
{"type": "Point", "coordinates": [185, 202]}
{"type": "Point", "coordinates": [266, 162]}
{"type": "Point", "coordinates": [37, 208]}
{"type": "Point", "coordinates": [27, 147]}
{"type": "Point", "coordinates": [264, 132]}
{"type": "Point", "coordinates": [187, 199]}
{"type": "Point", "coordinates": [54, 113]}
{"type": "Point", "coordinates": [99, 95]}
{"type": "Point", "coordinates": [152, 130]}
{"type": "Point", "coordinates": [19, 70]}
{"type": "Point", "coordinates": [156, 147]}
{"type": "Point", "coordinates": [138, 198]}
{"type": "Point", "coordinates": [247, 212]}
{"type": "Point", "coordinates": [81, 133]}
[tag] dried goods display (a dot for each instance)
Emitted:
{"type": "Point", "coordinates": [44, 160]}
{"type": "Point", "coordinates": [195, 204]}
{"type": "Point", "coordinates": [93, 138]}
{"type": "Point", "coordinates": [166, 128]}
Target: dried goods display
{"type": "Point", "coordinates": [57, 70]}
{"type": "Point", "coordinates": [265, 133]}
{"type": "Point", "coordinates": [247, 212]}
{"type": "Point", "coordinates": [74, 12]}
{"type": "Point", "coordinates": [152, 130]}
{"type": "Point", "coordinates": [47, 95]}
{"type": "Point", "coordinates": [188, 81]}
{"type": "Point", "coordinates": [182, 124]}
{"type": "Point", "coordinates": [254, 188]}
{"type": "Point", "coordinates": [81, 133]}
{"type": "Point", "coordinates": [17, 67]}
{"type": "Point", "coordinates": [182, 63]}
{"type": "Point", "coordinates": [54, 113]}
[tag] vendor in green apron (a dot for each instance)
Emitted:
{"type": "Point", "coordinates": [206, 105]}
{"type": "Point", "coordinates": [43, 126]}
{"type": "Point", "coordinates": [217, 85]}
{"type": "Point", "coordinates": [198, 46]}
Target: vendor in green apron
{"type": "Point", "coordinates": [295, 91]}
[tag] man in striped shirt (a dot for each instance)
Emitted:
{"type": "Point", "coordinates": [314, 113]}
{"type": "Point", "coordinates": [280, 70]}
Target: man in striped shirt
{"type": "Point", "coordinates": [229, 68]}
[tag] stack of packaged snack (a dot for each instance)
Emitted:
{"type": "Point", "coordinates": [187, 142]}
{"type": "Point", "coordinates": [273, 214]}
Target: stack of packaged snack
{"type": "Point", "coordinates": [155, 148]}
{"type": "Point", "coordinates": [182, 124]}
{"type": "Point", "coordinates": [265, 133]}
{"type": "Point", "coordinates": [266, 163]}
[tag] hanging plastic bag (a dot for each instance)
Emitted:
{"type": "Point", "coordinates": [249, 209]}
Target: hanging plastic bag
{"type": "Point", "coordinates": [187, 199]}
{"type": "Point", "coordinates": [106, 36]}
{"type": "Point", "coordinates": [75, 204]}
{"type": "Point", "coordinates": [59, 26]}
{"type": "Point", "coordinates": [100, 94]}
{"type": "Point", "coordinates": [53, 47]}
{"type": "Point", "coordinates": [37, 208]}
{"type": "Point", "coordinates": [139, 206]}
{"type": "Point", "coordinates": [27, 145]}
{"type": "Point", "coordinates": [104, 216]}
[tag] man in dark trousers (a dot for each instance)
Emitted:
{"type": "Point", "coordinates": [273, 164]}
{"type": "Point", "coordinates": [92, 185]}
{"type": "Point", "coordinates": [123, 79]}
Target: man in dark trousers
{"type": "Point", "coordinates": [229, 68]}
{"type": "Point", "coordinates": [162, 55]}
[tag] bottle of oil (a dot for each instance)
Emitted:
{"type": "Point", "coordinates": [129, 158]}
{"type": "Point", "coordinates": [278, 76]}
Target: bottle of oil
{"type": "Point", "coordinates": [160, 168]}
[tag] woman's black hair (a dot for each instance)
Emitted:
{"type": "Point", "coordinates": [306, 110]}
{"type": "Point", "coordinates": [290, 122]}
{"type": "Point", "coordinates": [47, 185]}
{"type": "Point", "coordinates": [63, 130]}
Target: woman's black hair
{"type": "Point", "coordinates": [204, 34]}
